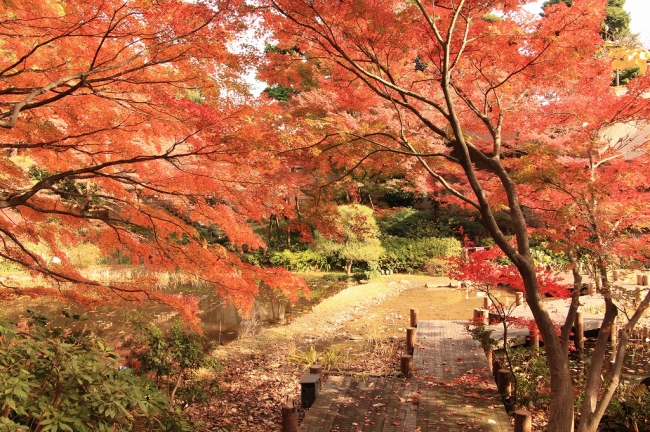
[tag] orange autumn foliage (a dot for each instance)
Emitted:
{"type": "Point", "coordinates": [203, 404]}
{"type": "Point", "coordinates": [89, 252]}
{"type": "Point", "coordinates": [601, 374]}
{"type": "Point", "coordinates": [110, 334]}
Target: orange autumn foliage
{"type": "Point", "coordinates": [125, 124]}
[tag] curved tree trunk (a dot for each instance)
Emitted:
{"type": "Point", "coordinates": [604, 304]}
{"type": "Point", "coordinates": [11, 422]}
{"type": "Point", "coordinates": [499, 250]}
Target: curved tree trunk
{"type": "Point", "coordinates": [561, 416]}
{"type": "Point", "coordinates": [593, 408]}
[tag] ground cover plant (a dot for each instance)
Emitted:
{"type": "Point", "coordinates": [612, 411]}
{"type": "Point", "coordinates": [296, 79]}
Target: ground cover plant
{"type": "Point", "coordinates": [52, 379]}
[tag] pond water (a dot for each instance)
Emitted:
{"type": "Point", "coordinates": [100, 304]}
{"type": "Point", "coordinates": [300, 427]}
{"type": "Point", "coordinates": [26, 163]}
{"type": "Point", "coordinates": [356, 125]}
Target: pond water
{"type": "Point", "coordinates": [637, 357]}
{"type": "Point", "coordinates": [221, 321]}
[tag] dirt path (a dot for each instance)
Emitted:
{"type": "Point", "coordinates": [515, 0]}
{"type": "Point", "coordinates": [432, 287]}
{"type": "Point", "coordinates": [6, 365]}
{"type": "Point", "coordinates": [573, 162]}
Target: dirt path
{"type": "Point", "coordinates": [358, 330]}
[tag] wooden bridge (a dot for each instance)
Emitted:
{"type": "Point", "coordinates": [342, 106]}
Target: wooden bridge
{"type": "Point", "coordinates": [451, 389]}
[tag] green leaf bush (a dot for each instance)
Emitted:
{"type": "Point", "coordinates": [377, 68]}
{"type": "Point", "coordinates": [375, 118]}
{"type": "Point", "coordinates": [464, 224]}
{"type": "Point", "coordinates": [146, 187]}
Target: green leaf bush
{"type": "Point", "coordinates": [174, 360]}
{"type": "Point", "coordinates": [300, 261]}
{"type": "Point", "coordinates": [406, 255]}
{"type": "Point", "coordinates": [54, 380]}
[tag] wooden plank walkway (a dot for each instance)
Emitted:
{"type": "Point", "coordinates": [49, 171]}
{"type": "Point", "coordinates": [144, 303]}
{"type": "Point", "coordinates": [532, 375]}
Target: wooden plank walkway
{"type": "Point", "coordinates": [557, 309]}
{"type": "Point", "coordinates": [451, 390]}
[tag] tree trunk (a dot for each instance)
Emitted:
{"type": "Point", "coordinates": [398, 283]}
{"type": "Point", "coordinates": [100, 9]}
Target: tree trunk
{"type": "Point", "coordinates": [593, 409]}
{"type": "Point", "coordinates": [561, 417]}
{"type": "Point", "coordinates": [348, 268]}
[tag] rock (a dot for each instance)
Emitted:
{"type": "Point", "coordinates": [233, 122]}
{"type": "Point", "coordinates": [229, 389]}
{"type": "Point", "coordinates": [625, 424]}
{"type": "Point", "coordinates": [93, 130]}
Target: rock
{"type": "Point", "coordinates": [355, 337]}
{"type": "Point", "coordinates": [405, 282]}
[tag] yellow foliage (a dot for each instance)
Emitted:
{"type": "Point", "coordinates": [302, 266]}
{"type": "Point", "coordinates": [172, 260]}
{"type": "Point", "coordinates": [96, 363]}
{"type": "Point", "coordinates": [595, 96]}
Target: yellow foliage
{"type": "Point", "coordinates": [624, 58]}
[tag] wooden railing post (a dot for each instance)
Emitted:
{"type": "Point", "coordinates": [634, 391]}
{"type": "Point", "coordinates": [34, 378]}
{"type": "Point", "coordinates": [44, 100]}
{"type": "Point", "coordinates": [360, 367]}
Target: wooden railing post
{"type": "Point", "coordinates": [519, 298]}
{"type": "Point", "coordinates": [410, 340]}
{"type": "Point", "coordinates": [485, 316]}
{"type": "Point", "coordinates": [406, 365]}
{"type": "Point", "coordinates": [523, 421]}
{"type": "Point", "coordinates": [487, 302]}
{"type": "Point", "coordinates": [613, 336]}
{"type": "Point", "coordinates": [289, 417]}
{"type": "Point", "coordinates": [504, 381]}
{"type": "Point", "coordinates": [579, 335]}
{"type": "Point", "coordinates": [488, 356]}
{"type": "Point", "coordinates": [534, 339]}
{"type": "Point", "coordinates": [414, 317]}
{"type": "Point", "coordinates": [495, 368]}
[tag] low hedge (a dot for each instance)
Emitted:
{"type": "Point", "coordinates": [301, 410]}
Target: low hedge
{"type": "Point", "coordinates": [412, 255]}
{"type": "Point", "coordinates": [300, 261]}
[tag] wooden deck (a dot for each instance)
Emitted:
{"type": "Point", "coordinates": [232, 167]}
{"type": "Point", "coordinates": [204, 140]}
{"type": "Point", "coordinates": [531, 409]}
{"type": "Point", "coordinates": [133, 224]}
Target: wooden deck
{"type": "Point", "coordinates": [451, 390]}
{"type": "Point", "coordinates": [592, 305]}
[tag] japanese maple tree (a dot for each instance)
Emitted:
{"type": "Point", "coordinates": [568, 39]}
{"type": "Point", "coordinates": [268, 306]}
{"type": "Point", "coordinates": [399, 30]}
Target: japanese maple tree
{"type": "Point", "coordinates": [458, 92]}
{"type": "Point", "coordinates": [125, 124]}
{"type": "Point", "coordinates": [595, 198]}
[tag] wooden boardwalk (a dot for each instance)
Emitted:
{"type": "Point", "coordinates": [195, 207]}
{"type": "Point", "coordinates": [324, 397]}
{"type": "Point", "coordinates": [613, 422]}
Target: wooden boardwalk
{"type": "Point", "coordinates": [592, 305]}
{"type": "Point", "coordinates": [451, 390]}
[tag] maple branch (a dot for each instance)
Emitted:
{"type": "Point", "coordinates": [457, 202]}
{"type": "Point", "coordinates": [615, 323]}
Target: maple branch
{"type": "Point", "coordinates": [121, 125]}
{"type": "Point", "coordinates": [354, 67]}
{"type": "Point", "coordinates": [111, 26]}
{"type": "Point", "coordinates": [447, 44]}
{"type": "Point", "coordinates": [17, 199]}
{"type": "Point", "coordinates": [411, 152]}
{"type": "Point", "coordinates": [84, 77]}
{"type": "Point", "coordinates": [45, 43]}
{"type": "Point", "coordinates": [351, 170]}
{"type": "Point", "coordinates": [431, 23]}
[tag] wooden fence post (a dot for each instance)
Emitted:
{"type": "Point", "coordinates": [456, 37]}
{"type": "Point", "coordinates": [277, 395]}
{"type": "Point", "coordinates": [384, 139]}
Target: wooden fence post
{"type": "Point", "coordinates": [488, 356]}
{"type": "Point", "coordinates": [534, 338]}
{"type": "Point", "coordinates": [579, 335]}
{"type": "Point", "coordinates": [495, 368]}
{"type": "Point", "coordinates": [519, 298]}
{"type": "Point", "coordinates": [487, 302]}
{"type": "Point", "coordinates": [414, 317]}
{"type": "Point", "coordinates": [503, 381]}
{"type": "Point", "coordinates": [613, 334]}
{"type": "Point", "coordinates": [482, 315]}
{"type": "Point", "coordinates": [289, 417]}
{"type": "Point", "coordinates": [523, 421]}
{"type": "Point", "coordinates": [406, 365]}
{"type": "Point", "coordinates": [639, 279]}
{"type": "Point", "coordinates": [410, 339]}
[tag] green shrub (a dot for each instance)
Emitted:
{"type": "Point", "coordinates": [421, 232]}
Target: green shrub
{"type": "Point", "coordinates": [53, 380]}
{"type": "Point", "coordinates": [399, 198]}
{"type": "Point", "coordinates": [8, 266]}
{"type": "Point", "coordinates": [173, 360]}
{"type": "Point", "coordinates": [413, 224]}
{"type": "Point", "coordinates": [303, 359]}
{"type": "Point", "coordinates": [436, 267]}
{"type": "Point", "coordinates": [410, 255]}
{"type": "Point", "coordinates": [117, 257]}
{"type": "Point", "coordinates": [447, 221]}
{"type": "Point", "coordinates": [302, 261]}
{"type": "Point", "coordinates": [630, 407]}
{"type": "Point", "coordinates": [533, 376]}
{"type": "Point", "coordinates": [84, 255]}
{"type": "Point", "coordinates": [544, 257]}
